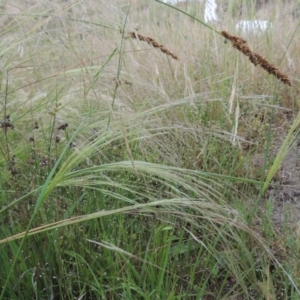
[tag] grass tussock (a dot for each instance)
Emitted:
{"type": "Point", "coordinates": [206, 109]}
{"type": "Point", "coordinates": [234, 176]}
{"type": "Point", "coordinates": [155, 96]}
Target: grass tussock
{"type": "Point", "coordinates": [128, 174]}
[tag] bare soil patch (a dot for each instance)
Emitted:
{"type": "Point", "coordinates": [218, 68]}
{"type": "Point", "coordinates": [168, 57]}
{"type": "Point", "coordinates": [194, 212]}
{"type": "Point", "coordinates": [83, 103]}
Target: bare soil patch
{"type": "Point", "coordinates": [286, 196]}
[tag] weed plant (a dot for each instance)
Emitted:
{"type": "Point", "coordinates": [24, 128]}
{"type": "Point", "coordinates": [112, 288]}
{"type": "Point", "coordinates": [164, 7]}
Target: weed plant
{"type": "Point", "coordinates": [129, 132]}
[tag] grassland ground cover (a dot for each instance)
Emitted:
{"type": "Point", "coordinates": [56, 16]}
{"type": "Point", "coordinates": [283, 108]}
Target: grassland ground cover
{"type": "Point", "coordinates": [143, 155]}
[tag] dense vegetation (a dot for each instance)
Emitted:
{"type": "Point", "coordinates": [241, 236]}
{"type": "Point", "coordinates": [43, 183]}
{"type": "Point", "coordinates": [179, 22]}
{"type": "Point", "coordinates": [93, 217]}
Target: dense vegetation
{"type": "Point", "coordinates": [141, 156]}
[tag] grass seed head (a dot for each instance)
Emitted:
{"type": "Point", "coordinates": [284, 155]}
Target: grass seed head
{"type": "Point", "coordinates": [63, 126]}
{"type": "Point", "coordinates": [152, 42]}
{"type": "Point", "coordinates": [241, 45]}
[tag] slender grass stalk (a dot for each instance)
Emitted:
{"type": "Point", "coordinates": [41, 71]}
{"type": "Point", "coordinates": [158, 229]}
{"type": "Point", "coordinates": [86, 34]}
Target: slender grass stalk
{"type": "Point", "coordinates": [121, 49]}
{"type": "Point", "coordinates": [189, 15]}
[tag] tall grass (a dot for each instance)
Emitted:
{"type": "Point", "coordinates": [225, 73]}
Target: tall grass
{"type": "Point", "coordinates": [128, 174]}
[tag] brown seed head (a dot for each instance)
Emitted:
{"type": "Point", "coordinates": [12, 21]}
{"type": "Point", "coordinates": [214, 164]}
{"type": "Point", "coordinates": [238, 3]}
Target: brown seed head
{"type": "Point", "coordinates": [63, 126]}
{"type": "Point", "coordinates": [152, 42]}
{"type": "Point", "coordinates": [241, 45]}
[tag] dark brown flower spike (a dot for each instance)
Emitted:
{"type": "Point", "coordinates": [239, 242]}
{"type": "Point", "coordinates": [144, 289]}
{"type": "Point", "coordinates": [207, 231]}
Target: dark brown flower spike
{"type": "Point", "coordinates": [241, 44]}
{"type": "Point", "coordinates": [63, 126]}
{"type": "Point", "coordinates": [6, 124]}
{"type": "Point", "coordinates": [152, 42]}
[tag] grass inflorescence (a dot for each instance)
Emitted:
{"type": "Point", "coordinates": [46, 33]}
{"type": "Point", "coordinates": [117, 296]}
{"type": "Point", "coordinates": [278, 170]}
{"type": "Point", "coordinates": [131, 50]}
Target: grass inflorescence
{"type": "Point", "coordinates": [241, 44]}
{"type": "Point", "coordinates": [152, 42]}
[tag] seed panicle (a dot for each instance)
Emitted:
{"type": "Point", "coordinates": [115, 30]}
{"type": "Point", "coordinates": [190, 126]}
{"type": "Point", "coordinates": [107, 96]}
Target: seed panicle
{"type": "Point", "coordinates": [152, 42]}
{"type": "Point", "coordinates": [241, 44]}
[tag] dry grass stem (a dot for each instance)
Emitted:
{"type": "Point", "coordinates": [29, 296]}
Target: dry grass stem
{"type": "Point", "coordinates": [241, 44]}
{"type": "Point", "coordinates": [152, 42]}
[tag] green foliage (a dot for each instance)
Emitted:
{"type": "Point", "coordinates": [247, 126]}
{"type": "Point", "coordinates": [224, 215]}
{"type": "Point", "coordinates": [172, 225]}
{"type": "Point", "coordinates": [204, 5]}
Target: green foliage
{"type": "Point", "coordinates": [127, 175]}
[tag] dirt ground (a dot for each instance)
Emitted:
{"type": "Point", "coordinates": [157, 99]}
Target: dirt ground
{"type": "Point", "coordinates": [286, 196]}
